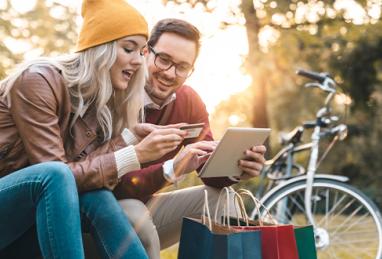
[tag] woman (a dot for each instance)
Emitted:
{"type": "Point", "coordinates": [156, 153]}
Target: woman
{"type": "Point", "coordinates": [77, 108]}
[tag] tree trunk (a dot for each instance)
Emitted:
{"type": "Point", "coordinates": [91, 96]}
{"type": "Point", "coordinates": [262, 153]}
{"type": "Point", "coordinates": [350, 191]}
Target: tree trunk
{"type": "Point", "coordinates": [253, 26]}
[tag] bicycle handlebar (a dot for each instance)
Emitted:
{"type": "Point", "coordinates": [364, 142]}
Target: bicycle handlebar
{"type": "Point", "coordinates": [320, 77]}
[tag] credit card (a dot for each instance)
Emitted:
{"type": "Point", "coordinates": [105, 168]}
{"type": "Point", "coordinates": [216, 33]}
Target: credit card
{"type": "Point", "coordinates": [193, 130]}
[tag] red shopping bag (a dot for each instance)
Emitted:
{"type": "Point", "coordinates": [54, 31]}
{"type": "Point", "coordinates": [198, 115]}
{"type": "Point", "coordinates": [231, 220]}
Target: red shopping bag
{"type": "Point", "coordinates": [277, 240]}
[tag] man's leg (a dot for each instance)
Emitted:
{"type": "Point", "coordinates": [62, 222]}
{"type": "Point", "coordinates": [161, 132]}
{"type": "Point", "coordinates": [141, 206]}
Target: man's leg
{"type": "Point", "coordinates": [164, 215]}
{"type": "Point", "coordinates": [168, 209]}
{"type": "Point", "coordinates": [140, 218]}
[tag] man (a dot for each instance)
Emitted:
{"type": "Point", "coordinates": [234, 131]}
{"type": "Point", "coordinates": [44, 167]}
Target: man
{"type": "Point", "coordinates": [172, 50]}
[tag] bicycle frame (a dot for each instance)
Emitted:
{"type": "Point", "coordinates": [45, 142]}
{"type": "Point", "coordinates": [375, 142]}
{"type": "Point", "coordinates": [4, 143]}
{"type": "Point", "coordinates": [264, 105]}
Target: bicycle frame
{"type": "Point", "coordinates": [340, 178]}
{"type": "Point", "coordinates": [312, 166]}
{"type": "Point", "coordinates": [328, 85]}
{"type": "Point", "coordinates": [293, 193]}
{"type": "Point", "coordinates": [289, 152]}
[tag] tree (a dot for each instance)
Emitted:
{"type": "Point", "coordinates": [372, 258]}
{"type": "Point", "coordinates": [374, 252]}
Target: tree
{"type": "Point", "coordinates": [308, 25]}
{"type": "Point", "coordinates": [48, 29]}
{"type": "Point", "coordinates": [343, 38]}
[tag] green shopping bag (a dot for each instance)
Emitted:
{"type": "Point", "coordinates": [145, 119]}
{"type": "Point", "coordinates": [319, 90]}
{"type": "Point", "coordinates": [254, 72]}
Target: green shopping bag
{"type": "Point", "coordinates": [306, 244]}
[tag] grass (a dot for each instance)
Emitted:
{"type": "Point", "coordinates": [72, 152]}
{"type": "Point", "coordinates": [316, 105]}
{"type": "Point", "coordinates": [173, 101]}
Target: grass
{"type": "Point", "coordinates": [170, 253]}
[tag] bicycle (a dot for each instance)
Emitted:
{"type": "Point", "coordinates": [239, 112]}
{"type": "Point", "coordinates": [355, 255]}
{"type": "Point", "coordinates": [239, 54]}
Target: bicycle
{"type": "Point", "coordinates": [347, 223]}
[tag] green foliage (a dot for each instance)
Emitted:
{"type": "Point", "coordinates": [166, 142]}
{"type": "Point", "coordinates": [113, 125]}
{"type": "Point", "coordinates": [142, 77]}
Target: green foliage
{"type": "Point", "coordinates": [49, 28]}
{"type": "Point", "coordinates": [331, 41]}
{"type": "Point", "coordinates": [357, 66]}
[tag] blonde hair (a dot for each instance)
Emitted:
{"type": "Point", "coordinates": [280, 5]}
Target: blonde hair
{"type": "Point", "coordinates": [87, 76]}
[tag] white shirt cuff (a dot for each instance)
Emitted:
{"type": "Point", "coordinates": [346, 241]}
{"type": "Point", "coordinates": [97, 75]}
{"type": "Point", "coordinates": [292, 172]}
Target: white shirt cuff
{"type": "Point", "coordinates": [126, 160]}
{"type": "Point", "coordinates": [129, 137]}
{"type": "Point", "coordinates": [169, 174]}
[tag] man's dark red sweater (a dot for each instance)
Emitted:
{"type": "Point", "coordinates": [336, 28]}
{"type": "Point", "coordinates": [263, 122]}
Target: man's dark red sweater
{"type": "Point", "coordinates": [188, 107]}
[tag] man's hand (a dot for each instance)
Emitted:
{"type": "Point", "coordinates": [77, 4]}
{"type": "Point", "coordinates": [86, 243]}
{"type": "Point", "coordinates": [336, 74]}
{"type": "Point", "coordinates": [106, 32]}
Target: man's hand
{"type": "Point", "coordinates": [193, 156]}
{"type": "Point", "coordinates": [253, 162]}
{"type": "Point", "coordinates": [141, 130]}
{"type": "Point", "coordinates": [158, 143]}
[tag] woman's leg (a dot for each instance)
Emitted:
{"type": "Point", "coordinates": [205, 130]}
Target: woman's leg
{"type": "Point", "coordinates": [110, 228]}
{"type": "Point", "coordinates": [46, 195]}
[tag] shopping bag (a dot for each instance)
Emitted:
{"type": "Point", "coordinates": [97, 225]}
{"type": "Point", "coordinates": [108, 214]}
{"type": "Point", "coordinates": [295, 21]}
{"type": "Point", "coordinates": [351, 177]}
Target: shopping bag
{"type": "Point", "coordinates": [306, 244]}
{"type": "Point", "coordinates": [206, 239]}
{"type": "Point", "coordinates": [277, 240]}
{"type": "Point", "coordinates": [197, 241]}
{"type": "Point", "coordinates": [304, 236]}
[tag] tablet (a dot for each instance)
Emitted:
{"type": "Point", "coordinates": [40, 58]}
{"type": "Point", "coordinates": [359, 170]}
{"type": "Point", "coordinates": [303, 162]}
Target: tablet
{"type": "Point", "coordinates": [224, 160]}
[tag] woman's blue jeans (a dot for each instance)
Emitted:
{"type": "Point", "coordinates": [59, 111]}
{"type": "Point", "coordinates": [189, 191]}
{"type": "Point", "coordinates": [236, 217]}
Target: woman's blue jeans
{"type": "Point", "coordinates": [104, 219]}
{"type": "Point", "coordinates": [44, 195]}
{"type": "Point", "coordinates": [113, 234]}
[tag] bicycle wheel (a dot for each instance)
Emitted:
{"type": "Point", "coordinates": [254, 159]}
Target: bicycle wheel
{"type": "Point", "coordinates": [349, 225]}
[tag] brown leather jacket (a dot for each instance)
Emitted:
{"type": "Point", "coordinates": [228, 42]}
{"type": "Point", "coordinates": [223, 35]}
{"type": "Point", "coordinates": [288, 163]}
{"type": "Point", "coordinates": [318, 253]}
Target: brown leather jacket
{"type": "Point", "coordinates": [35, 128]}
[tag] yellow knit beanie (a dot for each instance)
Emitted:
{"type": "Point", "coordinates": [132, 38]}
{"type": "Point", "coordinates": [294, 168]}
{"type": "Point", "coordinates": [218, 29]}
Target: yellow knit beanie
{"type": "Point", "coordinates": [108, 20]}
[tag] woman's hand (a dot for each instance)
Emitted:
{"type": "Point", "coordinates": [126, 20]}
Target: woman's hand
{"type": "Point", "coordinates": [193, 156]}
{"type": "Point", "coordinates": [158, 143]}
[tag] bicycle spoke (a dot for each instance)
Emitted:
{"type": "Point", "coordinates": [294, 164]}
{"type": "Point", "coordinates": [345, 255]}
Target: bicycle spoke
{"type": "Point", "coordinates": [351, 228]}
{"type": "Point", "coordinates": [353, 250]}
{"type": "Point", "coordinates": [295, 202]}
{"type": "Point", "coordinates": [338, 240]}
{"type": "Point", "coordinates": [333, 209]}
{"type": "Point", "coordinates": [327, 208]}
{"type": "Point", "coordinates": [334, 253]}
{"type": "Point", "coordinates": [301, 207]}
{"type": "Point", "coordinates": [285, 216]}
{"type": "Point", "coordinates": [354, 223]}
{"type": "Point", "coordinates": [347, 220]}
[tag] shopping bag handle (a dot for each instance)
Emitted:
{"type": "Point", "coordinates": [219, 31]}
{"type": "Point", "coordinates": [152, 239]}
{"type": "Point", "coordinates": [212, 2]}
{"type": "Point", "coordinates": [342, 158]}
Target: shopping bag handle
{"type": "Point", "coordinates": [226, 206]}
{"type": "Point", "coordinates": [243, 213]}
{"type": "Point", "coordinates": [258, 204]}
{"type": "Point", "coordinates": [240, 208]}
{"type": "Point", "coordinates": [206, 210]}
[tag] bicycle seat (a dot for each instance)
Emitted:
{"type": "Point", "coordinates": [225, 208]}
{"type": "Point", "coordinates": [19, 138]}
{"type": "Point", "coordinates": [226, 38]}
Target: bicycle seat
{"type": "Point", "coordinates": [292, 137]}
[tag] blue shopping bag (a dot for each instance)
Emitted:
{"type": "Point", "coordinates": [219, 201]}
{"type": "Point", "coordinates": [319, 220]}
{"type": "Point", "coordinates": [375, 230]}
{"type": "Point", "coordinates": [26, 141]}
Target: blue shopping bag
{"type": "Point", "coordinates": [197, 241]}
{"type": "Point", "coordinates": [205, 238]}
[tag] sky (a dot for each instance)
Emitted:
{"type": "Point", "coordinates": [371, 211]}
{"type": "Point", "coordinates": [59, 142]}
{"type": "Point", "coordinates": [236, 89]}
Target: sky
{"type": "Point", "coordinates": [218, 72]}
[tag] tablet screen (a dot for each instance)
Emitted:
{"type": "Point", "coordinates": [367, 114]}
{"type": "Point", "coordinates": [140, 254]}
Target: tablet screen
{"type": "Point", "coordinates": [224, 160]}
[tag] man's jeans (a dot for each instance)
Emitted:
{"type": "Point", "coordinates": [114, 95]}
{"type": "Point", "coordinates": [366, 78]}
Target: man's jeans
{"type": "Point", "coordinates": [44, 195]}
{"type": "Point", "coordinates": [102, 217]}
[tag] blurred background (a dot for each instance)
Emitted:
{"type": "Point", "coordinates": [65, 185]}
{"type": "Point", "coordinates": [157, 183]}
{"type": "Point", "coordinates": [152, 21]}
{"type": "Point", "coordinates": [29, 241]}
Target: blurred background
{"type": "Point", "coordinates": [246, 69]}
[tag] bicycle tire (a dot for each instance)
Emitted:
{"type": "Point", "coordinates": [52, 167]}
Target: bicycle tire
{"type": "Point", "coordinates": [349, 224]}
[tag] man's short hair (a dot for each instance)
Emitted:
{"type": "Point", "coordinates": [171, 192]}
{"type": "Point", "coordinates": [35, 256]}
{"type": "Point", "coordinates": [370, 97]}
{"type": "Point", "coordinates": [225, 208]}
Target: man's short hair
{"type": "Point", "coordinates": [177, 26]}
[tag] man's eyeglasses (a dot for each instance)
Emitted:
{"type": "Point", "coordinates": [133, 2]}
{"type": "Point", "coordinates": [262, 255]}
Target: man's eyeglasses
{"type": "Point", "coordinates": [163, 62]}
